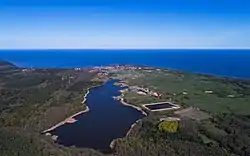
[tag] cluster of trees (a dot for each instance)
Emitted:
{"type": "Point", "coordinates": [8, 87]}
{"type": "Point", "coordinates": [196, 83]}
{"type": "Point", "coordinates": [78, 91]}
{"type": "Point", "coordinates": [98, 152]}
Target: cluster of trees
{"type": "Point", "coordinates": [12, 144]}
{"type": "Point", "coordinates": [226, 134]}
{"type": "Point", "coordinates": [233, 133]}
{"type": "Point", "coordinates": [149, 140]}
{"type": "Point", "coordinates": [31, 101]}
{"type": "Point", "coordinates": [241, 86]}
{"type": "Point", "coordinates": [168, 126]}
{"type": "Point", "coordinates": [80, 85]}
{"type": "Point", "coordinates": [18, 94]}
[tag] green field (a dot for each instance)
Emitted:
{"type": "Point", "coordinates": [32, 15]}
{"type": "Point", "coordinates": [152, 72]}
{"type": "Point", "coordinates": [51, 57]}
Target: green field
{"type": "Point", "coordinates": [222, 126]}
{"type": "Point", "coordinates": [172, 84]}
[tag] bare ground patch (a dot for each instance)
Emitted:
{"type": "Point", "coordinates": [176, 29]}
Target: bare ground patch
{"type": "Point", "coordinates": [192, 113]}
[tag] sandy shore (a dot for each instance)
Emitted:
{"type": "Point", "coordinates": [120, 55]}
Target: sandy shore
{"type": "Point", "coordinates": [138, 108]}
{"type": "Point", "coordinates": [85, 96]}
{"type": "Point", "coordinates": [70, 119]}
{"type": "Point", "coordinates": [121, 84]}
{"type": "Point", "coordinates": [132, 126]}
{"type": "Point", "coordinates": [112, 144]}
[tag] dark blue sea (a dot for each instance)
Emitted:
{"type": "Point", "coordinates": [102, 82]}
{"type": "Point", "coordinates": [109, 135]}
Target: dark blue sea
{"type": "Point", "coordinates": [229, 63]}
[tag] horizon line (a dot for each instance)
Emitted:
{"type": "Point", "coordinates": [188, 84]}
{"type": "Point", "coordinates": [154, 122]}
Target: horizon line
{"type": "Point", "coordinates": [29, 49]}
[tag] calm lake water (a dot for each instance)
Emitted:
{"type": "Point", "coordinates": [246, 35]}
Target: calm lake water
{"type": "Point", "coordinates": [107, 119]}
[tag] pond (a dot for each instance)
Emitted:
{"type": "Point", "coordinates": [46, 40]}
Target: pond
{"type": "Point", "coordinates": [160, 106]}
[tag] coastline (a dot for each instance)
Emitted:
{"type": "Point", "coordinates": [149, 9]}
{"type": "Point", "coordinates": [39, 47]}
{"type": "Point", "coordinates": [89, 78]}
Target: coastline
{"type": "Point", "coordinates": [132, 126]}
{"type": "Point", "coordinates": [71, 118]}
{"type": "Point", "coordinates": [112, 144]}
{"type": "Point", "coordinates": [135, 107]}
{"type": "Point", "coordinates": [67, 120]}
{"type": "Point", "coordinates": [85, 96]}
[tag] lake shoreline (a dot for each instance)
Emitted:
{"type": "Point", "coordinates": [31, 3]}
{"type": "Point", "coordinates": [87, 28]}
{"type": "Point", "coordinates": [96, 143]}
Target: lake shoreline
{"type": "Point", "coordinates": [133, 106]}
{"type": "Point", "coordinates": [67, 120]}
{"type": "Point", "coordinates": [71, 119]}
{"type": "Point", "coordinates": [113, 142]}
{"type": "Point", "coordinates": [132, 126]}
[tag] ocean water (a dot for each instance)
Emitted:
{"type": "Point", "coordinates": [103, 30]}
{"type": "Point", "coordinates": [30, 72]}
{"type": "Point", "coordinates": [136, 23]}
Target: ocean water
{"type": "Point", "coordinates": [229, 63]}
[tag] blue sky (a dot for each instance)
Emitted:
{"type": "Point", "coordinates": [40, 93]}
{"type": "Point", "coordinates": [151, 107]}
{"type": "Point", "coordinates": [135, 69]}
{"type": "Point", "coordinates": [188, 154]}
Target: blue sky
{"type": "Point", "coordinates": [120, 24]}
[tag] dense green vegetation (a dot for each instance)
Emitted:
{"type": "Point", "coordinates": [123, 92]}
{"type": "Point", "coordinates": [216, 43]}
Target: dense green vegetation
{"type": "Point", "coordinates": [230, 131]}
{"type": "Point", "coordinates": [224, 104]}
{"type": "Point", "coordinates": [228, 95]}
{"type": "Point", "coordinates": [34, 100]}
{"type": "Point", "coordinates": [168, 126]}
{"type": "Point", "coordinates": [17, 145]}
{"type": "Point", "coordinates": [137, 99]}
{"type": "Point", "coordinates": [148, 140]}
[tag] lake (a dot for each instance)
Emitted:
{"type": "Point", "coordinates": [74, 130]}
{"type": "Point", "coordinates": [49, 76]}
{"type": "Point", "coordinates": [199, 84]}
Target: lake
{"type": "Point", "coordinates": [107, 119]}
